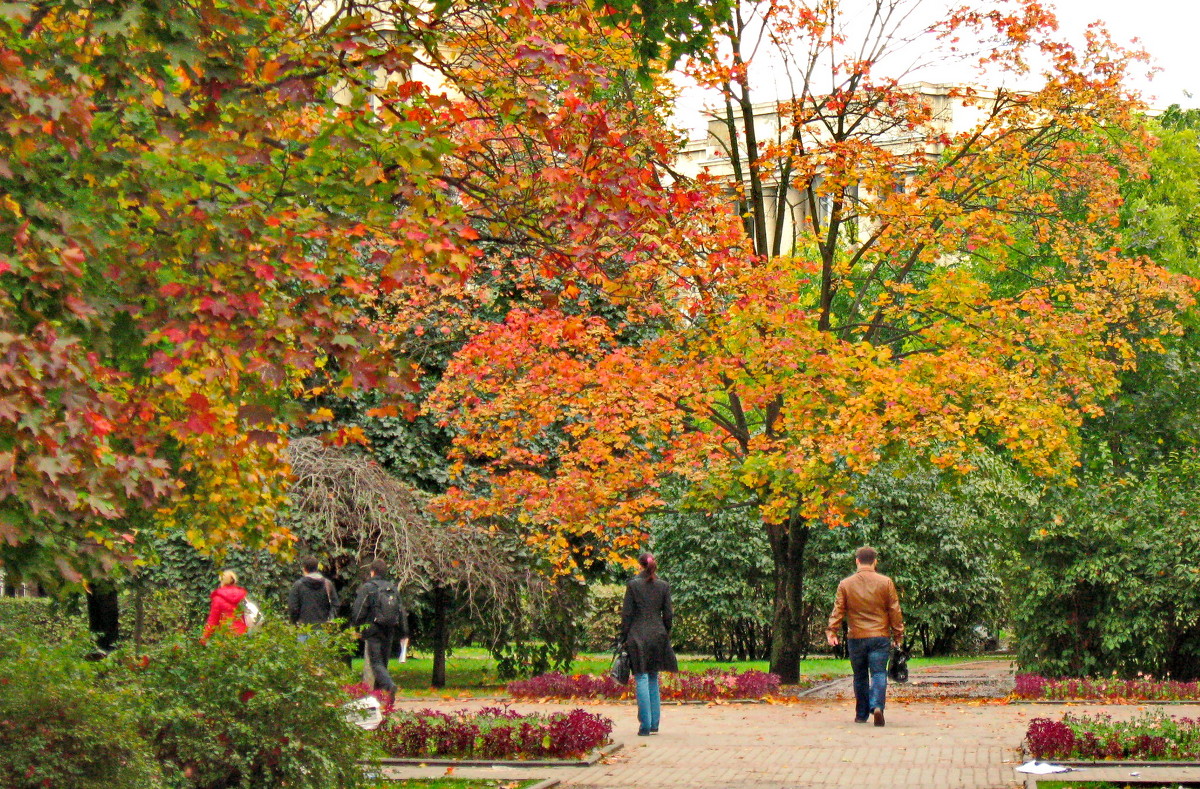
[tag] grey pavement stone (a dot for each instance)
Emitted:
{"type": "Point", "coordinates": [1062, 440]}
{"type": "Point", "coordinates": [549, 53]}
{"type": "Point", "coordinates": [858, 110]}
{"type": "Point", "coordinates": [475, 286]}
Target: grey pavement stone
{"type": "Point", "coordinates": [927, 744]}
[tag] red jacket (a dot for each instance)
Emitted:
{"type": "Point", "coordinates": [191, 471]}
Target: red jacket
{"type": "Point", "coordinates": [225, 609]}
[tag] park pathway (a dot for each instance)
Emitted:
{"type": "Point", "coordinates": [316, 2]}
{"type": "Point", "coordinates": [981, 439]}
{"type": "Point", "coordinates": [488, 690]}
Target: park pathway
{"type": "Point", "coordinates": [926, 744]}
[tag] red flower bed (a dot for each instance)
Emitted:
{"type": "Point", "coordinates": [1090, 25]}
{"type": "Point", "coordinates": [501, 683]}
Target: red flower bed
{"type": "Point", "coordinates": [1148, 737]}
{"type": "Point", "coordinates": [489, 733]}
{"type": "Point", "coordinates": [493, 733]}
{"type": "Point", "coordinates": [711, 685]}
{"type": "Point", "coordinates": [1036, 687]}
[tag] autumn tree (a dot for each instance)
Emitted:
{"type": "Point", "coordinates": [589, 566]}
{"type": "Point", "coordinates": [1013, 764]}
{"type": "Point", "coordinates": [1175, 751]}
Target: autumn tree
{"type": "Point", "coordinates": [944, 291]}
{"type": "Point", "coordinates": [194, 202]}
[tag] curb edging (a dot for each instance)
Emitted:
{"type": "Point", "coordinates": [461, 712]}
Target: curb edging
{"type": "Point", "coordinates": [587, 761]}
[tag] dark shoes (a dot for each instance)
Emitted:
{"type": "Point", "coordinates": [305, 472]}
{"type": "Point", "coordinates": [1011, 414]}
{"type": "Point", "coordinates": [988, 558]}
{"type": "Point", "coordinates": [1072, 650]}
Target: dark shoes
{"type": "Point", "coordinates": [643, 732]}
{"type": "Point", "coordinates": [877, 714]}
{"type": "Point", "coordinates": [861, 720]}
{"type": "Point", "coordinates": [654, 730]}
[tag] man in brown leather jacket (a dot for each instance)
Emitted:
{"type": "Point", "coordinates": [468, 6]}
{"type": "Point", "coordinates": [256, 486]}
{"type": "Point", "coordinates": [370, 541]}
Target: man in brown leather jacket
{"type": "Point", "coordinates": [868, 602]}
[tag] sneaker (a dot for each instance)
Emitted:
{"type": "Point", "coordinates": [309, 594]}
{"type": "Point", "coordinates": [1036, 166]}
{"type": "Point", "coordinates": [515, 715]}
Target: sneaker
{"type": "Point", "coordinates": [877, 714]}
{"type": "Point", "coordinates": [654, 730]}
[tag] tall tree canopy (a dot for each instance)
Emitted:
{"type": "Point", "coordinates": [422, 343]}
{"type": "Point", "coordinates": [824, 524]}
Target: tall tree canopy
{"type": "Point", "coordinates": [195, 199]}
{"type": "Point", "coordinates": [947, 290]}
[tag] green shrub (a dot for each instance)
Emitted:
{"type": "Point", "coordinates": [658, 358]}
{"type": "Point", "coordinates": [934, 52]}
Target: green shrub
{"type": "Point", "coordinates": [61, 728]}
{"type": "Point", "coordinates": [40, 620]}
{"type": "Point", "coordinates": [165, 614]}
{"type": "Point", "coordinates": [259, 710]}
{"type": "Point", "coordinates": [1108, 581]}
{"type": "Point", "coordinates": [604, 617]}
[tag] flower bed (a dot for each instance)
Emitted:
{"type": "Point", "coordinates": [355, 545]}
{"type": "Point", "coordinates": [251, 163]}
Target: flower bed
{"type": "Point", "coordinates": [1033, 686]}
{"type": "Point", "coordinates": [493, 733]}
{"type": "Point", "coordinates": [681, 686]}
{"type": "Point", "coordinates": [1152, 736]}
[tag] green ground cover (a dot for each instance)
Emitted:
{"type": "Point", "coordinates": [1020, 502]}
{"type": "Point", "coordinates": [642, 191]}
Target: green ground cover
{"type": "Point", "coordinates": [470, 671]}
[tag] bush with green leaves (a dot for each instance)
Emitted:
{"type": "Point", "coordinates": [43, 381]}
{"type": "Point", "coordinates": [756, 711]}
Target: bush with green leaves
{"type": "Point", "coordinates": [62, 726]}
{"type": "Point", "coordinates": [259, 710]}
{"type": "Point", "coordinates": [933, 541]}
{"type": "Point", "coordinates": [1109, 582]}
{"type": "Point", "coordinates": [719, 566]}
{"type": "Point", "coordinates": [40, 620]}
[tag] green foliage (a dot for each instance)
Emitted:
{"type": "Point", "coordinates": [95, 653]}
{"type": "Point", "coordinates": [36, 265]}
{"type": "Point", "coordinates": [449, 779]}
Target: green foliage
{"type": "Point", "coordinates": [1161, 214]}
{"type": "Point", "coordinates": [259, 710]}
{"type": "Point", "coordinates": [719, 567]}
{"type": "Point", "coordinates": [40, 620]}
{"type": "Point", "coordinates": [1107, 577]}
{"type": "Point", "coordinates": [545, 633]}
{"type": "Point", "coordinates": [61, 727]}
{"type": "Point", "coordinates": [931, 542]}
{"type": "Point", "coordinates": [669, 29]}
{"type": "Point", "coordinates": [604, 617]}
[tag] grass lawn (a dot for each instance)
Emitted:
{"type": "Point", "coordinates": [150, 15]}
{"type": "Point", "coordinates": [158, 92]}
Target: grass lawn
{"type": "Point", "coordinates": [470, 671]}
{"type": "Point", "coordinates": [456, 783]}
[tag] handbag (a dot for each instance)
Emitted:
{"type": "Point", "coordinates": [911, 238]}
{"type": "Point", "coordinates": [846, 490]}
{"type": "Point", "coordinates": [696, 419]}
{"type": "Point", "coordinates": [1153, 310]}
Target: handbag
{"type": "Point", "coordinates": [898, 664]}
{"type": "Point", "coordinates": [620, 666]}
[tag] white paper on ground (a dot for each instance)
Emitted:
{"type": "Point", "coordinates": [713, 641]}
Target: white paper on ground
{"type": "Point", "coordinates": [364, 712]}
{"type": "Point", "coordinates": [1042, 768]}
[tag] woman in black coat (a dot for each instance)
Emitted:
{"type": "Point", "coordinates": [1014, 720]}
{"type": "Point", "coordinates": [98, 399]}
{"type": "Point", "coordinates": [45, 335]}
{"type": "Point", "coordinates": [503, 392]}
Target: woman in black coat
{"type": "Point", "coordinates": [646, 632]}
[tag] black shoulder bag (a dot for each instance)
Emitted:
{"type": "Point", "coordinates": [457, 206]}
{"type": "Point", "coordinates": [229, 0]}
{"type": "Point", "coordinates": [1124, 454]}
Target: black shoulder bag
{"type": "Point", "coordinates": [898, 665]}
{"type": "Point", "coordinates": [620, 664]}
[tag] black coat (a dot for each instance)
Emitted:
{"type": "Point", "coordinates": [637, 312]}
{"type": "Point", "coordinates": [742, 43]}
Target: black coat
{"type": "Point", "coordinates": [313, 600]}
{"type": "Point", "coordinates": [646, 625]}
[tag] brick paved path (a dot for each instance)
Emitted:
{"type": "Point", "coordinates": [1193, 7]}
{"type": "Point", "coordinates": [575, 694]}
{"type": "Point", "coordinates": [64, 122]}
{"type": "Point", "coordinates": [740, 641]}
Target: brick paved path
{"type": "Point", "coordinates": [925, 745]}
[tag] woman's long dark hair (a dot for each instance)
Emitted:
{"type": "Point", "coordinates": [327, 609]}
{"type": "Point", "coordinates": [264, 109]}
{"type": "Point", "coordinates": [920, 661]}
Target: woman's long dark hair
{"type": "Point", "coordinates": [649, 566]}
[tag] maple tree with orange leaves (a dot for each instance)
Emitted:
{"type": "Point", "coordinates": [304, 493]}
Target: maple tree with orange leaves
{"type": "Point", "coordinates": [960, 291]}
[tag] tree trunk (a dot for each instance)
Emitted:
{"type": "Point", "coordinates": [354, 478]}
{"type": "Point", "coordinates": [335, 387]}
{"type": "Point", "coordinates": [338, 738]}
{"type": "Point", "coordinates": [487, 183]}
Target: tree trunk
{"type": "Point", "coordinates": [788, 541]}
{"type": "Point", "coordinates": [441, 634]}
{"type": "Point", "coordinates": [139, 615]}
{"type": "Point", "coordinates": [103, 609]}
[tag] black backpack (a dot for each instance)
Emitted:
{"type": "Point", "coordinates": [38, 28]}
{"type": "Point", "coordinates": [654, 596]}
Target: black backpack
{"type": "Point", "coordinates": [387, 605]}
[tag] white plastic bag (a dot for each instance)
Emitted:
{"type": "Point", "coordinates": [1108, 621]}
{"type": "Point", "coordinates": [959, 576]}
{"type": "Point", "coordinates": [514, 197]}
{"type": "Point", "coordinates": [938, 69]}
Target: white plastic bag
{"type": "Point", "coordinates": [364, 713]}
{"type": "Point", "coordinates": [251, 613]}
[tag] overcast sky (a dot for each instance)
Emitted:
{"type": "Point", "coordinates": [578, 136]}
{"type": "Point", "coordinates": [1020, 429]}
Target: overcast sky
{"type": "Point", "coordinates": [1168, 29]}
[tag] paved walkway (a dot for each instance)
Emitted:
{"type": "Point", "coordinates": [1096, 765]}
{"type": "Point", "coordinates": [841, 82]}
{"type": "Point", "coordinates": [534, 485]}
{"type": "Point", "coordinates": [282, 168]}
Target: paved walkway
{"type": "Point", "coordinates": [927, 744]}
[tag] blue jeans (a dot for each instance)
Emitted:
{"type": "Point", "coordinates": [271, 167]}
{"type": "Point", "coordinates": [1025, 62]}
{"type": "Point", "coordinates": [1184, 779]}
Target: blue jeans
{"type": "Point", "coordinates": [649, 703]}
{"type": "Point", "coordinates": [869, 659]}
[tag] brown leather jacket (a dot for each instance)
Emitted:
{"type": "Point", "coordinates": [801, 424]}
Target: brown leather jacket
{"type": "Point", "coordinates": [868, 602]}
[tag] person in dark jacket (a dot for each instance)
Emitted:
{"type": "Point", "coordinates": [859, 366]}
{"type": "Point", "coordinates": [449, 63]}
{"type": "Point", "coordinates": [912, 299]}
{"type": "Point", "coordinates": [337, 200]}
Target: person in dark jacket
{"type": "Point", "coordinates": [646, 632]}
{"type": "Point", "coordinates": [313, 598]}
{"type": "Point", "coordinates": [377, 637]}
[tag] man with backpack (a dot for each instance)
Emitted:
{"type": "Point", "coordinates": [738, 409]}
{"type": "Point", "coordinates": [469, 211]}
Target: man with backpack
{"type": "Point", "coordinates": [378, 607]}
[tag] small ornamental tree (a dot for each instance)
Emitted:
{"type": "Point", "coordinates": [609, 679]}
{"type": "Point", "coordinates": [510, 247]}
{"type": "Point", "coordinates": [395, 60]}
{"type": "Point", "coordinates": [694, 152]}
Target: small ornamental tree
{"type": "Point", "coordinates": [963, 291]}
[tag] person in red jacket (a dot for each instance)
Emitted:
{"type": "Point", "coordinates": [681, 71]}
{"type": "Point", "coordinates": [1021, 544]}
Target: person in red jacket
{"type": "Point", "coordinates": [226, 607]}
